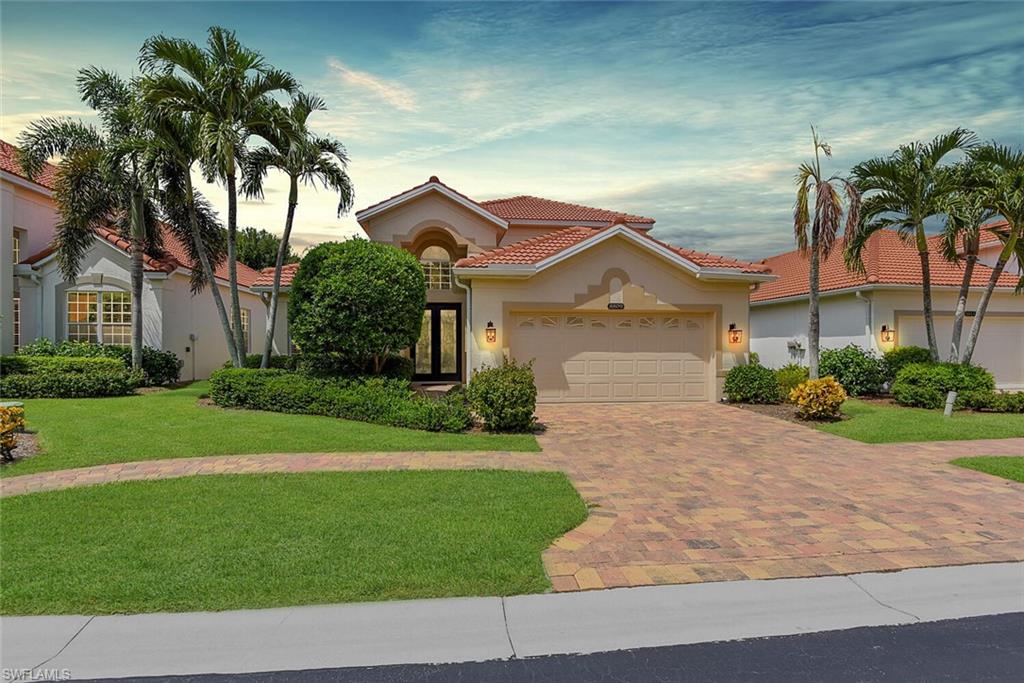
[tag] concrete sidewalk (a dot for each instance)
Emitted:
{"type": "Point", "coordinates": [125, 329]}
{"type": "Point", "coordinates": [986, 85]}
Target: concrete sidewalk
{"type": "Point", "coordinates": [477, 629]}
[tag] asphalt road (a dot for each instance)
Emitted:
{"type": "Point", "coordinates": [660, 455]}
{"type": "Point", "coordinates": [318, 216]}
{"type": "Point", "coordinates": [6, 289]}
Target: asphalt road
{"type": "Point", "coordinates": [987, 648]}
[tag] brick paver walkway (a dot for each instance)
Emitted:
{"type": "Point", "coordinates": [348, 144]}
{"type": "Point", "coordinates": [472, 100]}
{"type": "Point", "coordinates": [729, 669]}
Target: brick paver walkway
{"type": "Point", "coordinates": [704, 492]}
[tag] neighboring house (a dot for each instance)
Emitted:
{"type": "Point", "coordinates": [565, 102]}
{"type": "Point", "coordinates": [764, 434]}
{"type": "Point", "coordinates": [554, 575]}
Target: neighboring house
{"type": "Point", "coordinates": [605, 311]}
{"type": "Point", "coordinates": [855, 307]}
{"type": "Point", "coordinates": [37, 302]}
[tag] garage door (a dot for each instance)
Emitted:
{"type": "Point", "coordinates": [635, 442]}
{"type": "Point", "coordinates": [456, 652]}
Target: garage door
{"type": "Point", "coordinates": [611, 357]}
{"type": "Point", "coordinates": [1000, 346]}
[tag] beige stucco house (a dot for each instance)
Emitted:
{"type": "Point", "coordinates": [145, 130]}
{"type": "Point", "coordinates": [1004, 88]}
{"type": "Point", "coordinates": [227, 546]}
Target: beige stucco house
{"type": "Point", "coordinates": [606, 311]}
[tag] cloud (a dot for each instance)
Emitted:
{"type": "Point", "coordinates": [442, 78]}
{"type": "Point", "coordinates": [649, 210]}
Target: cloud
{"type": "Point", "coordinates": [393, 93]}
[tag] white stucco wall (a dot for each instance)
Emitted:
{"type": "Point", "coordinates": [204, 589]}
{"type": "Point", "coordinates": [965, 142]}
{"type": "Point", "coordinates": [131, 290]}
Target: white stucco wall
{"type": "Point", "coordinates": [844, 320]}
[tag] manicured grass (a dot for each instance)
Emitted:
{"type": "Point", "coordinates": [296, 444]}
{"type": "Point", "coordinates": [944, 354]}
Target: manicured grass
{"type": "Point", "coordinates": [880, 423]}
{"type": "Point", "coordinates": [1006, 466]}
{"type": "Point", "coordinates": [171, 424]}
{"type": "Point", "coordinates": [239, 541]}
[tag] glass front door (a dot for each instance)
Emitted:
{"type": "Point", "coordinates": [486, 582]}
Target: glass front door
{"type": "Point", "coordinates": [438, 353]}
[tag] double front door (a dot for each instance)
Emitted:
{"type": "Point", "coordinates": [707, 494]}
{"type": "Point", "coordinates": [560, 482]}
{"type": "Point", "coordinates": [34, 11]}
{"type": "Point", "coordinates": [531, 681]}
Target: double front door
{"type": "Point", "coordinates": [438, 353]}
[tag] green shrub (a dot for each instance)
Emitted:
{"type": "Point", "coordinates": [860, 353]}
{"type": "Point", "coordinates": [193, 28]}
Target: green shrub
{"type": "Point", "coordinates": [158, 367]}
{"type": "Point", "coordinates": [896, 359]}
{"type": "Point", "coordinates": [60, 377]}
{"type": "Point", "coordinates": [752, 384]}
{"type": "Point", "coordinates": [818, 399]}
{"type": "Point", "coordinates": [993, 401]}
{"type": "Point", "coordinates": [925, 385]}
{"type": "Point", "coordinates": [254, 360]}
{"type": "Point", "coordinates": [790, 377]}
{"type": "Point", "coordinates": [375, 399]}
{"type": "Point", "coordinates": [398, 367]}
{"type": "Point", "coordinates": [859, 371]}
{"type": "Point", "coordinates": [505, 396]}
{"type": "Point", "coordinates": [358, 298]}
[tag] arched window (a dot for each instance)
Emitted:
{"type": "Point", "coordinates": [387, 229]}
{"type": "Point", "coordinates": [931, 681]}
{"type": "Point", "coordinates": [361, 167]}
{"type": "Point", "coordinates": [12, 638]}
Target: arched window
{"type": "Point", "coordinates": [437, 266]}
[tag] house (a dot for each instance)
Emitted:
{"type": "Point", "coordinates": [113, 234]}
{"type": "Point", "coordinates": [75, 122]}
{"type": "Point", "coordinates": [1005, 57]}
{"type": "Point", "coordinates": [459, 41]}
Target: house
{"type": "Point", "coordinates": [37, 302]}
{"type": "Point", "coordinates": [606, 311]}
{"type": "Point", "coordinates": [881, 308]}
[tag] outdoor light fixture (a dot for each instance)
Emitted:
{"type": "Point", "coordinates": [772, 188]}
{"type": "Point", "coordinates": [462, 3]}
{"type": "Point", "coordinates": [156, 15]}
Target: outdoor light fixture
{"type": "Point", "coordinates": [888, 335]}
{"type": "Point", "coordinates": [735, 336]}
{"type": "Point", "coordinates": [492, 333]}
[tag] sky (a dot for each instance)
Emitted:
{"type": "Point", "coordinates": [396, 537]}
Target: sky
{"type": "Point", "coordinates": [695, 114]}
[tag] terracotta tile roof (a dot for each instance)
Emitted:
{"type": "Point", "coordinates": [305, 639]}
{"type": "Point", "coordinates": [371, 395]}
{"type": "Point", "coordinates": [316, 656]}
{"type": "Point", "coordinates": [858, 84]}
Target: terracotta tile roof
{"type": "Point", "coordinates": [888, 260]}
{"type": "Point", "coordinates": [266, 277]}
{"type": "Point", "coordinates": [536, 249]}
{"type": "Point", "coordinates": [9, 162]}
{"type": "Point", "coordinates": [526, 208]}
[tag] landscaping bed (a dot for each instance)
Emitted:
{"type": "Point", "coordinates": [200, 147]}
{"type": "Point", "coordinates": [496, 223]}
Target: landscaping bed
{"type": "Point", "coordinates": [252, 541]}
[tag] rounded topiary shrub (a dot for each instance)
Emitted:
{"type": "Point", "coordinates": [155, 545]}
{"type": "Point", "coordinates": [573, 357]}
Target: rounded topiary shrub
{"type": "Point", "coordinates": [860, 371]}
{"type": "Point", "coordinates": [752, 383]}
{"type": "Point", "coordinates": [504, 397]}
{"type": "Point", "coordinates": [361, 299]}
{"type": "Point", "coordinates": [898, 358]}
{"type": "Point", "coordinates": [818, 399]}
{"type": "Point", "coordinates": [925, 385]}
{"type": "Point", "coordinates": [790, 377]}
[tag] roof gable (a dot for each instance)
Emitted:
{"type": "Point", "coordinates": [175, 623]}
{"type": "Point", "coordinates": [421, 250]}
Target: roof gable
{"type": "Point", "coordinates": [432, 185]}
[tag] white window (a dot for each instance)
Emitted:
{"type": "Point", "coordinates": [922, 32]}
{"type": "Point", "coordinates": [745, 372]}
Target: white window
{"type": "Point", "coordinates": [17, 322]}
{"type": "Point", "coordinates": [437, 267]}
{"type": "Point", "coordinates": [16, 246]}
{"type": "Point", "coordinates": [244, 314]}
{"type": "Point", "coordinates": [101, 317]}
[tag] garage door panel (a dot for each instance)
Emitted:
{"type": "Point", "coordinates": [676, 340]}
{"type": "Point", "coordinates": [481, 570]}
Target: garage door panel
{"type": "Point", "coordinates": [640, 357]}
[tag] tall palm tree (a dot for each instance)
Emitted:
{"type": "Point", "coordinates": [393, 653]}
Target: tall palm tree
{"type": "Point", "coordinates": [228, 88]}
{"type": "Point", "coordinates": [906, 188]}
{"type": "Point", "coordinates": [304, 157]}
{"type": "Point", "coordinates": [98, 179]}
{"type": "Point", "coordinates": [1004, 190]}
{"type": "Point", "coordinates": [816, 238]}
{"type": "Point", "coordinates": [966, 211]}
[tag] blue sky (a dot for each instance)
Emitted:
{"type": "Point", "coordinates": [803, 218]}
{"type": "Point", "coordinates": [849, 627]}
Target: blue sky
{"type": "Point", "coordinates": [695, 114]}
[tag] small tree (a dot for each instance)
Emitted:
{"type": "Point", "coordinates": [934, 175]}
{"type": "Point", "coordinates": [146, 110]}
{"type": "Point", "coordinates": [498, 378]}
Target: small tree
{"type": "Point", "coordinates": [257, 248]}
{"type": "Point", "coordinates": [361, 299]}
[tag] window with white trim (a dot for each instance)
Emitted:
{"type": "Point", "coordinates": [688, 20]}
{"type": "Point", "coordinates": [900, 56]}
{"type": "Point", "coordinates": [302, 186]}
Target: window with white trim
{"type": "Point", "coordinates": [16, 323]}
{"type": "Point", "coordinates": [16, 246]}
{"type": "Point", "coordinates": [244, 314]}
{"type": "Point", "coordinates": [102, 317]}
{"type": "Point", "coordinates": [437, 267]}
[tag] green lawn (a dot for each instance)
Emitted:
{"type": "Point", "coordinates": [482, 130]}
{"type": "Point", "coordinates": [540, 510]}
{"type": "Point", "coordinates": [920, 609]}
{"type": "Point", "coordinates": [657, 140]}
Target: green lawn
{"type": "Point", "coordinates": [247, 541]}
{"type": "Point", "coordinates": [1006, 466]}
{"type": "Point", "coordinates": [880, 423]}
{"type": "Point", "coordinates": [171, 424]}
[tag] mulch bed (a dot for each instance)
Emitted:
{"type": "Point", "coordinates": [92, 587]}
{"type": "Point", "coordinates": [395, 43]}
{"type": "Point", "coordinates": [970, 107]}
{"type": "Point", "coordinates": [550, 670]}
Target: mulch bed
{"type": "Point", "coordinates": [781, 411]}
{"type": "Point", "coordinates": [27, 446]}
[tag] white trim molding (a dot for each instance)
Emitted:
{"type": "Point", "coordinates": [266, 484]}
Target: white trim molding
{"type": "Point", "coordinates": [426, 188]}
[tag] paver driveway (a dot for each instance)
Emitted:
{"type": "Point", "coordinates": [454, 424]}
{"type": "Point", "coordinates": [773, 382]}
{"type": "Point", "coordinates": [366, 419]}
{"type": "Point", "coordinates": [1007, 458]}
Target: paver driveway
{"type": "Point", "coordinates": [706, 492]}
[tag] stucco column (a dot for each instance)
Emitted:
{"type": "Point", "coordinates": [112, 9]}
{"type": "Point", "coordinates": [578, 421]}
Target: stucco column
{"type": "Point", "coordinates": [7, 272]}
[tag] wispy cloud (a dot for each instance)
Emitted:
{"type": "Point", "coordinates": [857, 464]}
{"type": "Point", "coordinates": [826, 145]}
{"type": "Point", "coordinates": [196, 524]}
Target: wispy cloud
{"type": "Point", "coordinates": [391, 92]}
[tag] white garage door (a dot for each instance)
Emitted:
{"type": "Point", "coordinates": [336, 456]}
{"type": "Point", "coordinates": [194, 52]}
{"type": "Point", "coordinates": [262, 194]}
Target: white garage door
{"type": "Point", "coordinates": [614, 357]}
{"type": "Point", "coordinates": [1000, 346]}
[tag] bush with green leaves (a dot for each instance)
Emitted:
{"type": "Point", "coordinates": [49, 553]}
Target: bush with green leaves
{"type": "Point", "coordinates": [861, 372]}
{"type": "Point", "coordinates": [753, 383]}
{"type": "Point", "coordinates": [790, 377]}
{"type": "Point", "coordinates": [925, 385]}
{"type": "Point", "coordinates": [158, 367]}
{"type": "Point", "coordinates": [361, 299]}
{"type": "Point", "coordinates": [993, 401]}
{"type": "Point", "coordinates": [896, 359]}
{"type": "Point", "coordinates": [818, 399]}
{"type": "Point", "coordinates": [254, 360]}
{"type": "Point", "coordinates": [370, 399]}
{"type": "Point", "coordinates": [505, 397]}
{"type": "Point", "coordinates": [65, 377]}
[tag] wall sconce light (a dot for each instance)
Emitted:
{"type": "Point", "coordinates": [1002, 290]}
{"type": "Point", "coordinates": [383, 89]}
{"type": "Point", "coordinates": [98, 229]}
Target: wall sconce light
{"type": "Point", "coordinates": [491, 332]}
{"type": "Point", "coordinates": [735, 336]}
{"type": "Point", "coordinates": [888, 336]}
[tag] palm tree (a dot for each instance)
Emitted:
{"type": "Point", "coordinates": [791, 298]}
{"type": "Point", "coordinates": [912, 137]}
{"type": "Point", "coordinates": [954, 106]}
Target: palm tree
{"type": "Point", "coordinates": [907, 188]}
{"type": "Point", "coordinates": [293, 149]}
{"type": "Point", "coordinates": [98, 179]}
{"type": "Point", "coordinates": [1004, 189]}
{"type": "Point", "coordinates": [227, 87]}
{"type": "Point", "coordinates": [816, 239]}
{"type": "Point", "coordinates": [966, 211]}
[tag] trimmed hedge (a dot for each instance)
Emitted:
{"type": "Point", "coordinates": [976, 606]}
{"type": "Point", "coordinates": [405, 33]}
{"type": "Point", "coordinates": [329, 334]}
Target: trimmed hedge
{"type": "Point", "coordinates": [158, 367]}
{"type": "Point", "coordinates": [753, 383]}
{"type": "Point", "coordinates": [61, 377]}
{"type": "Point", "coordinates": [328, 365]}
{"type": "Point", "coordinates": [993, 401]}
{"type": "Point", "coordinates": [925, 385]}
{"type": "Point", "coordinates": [860, 372]}
{"type": "Point", "coordinates": [902, 356]}
{"type": "Point", "coordinates": [505, 396]}
{"type": "Point", "coordinates": [372, 399]}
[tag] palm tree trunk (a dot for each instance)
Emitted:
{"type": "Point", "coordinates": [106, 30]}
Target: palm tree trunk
{"type": "Point", "coordinates": [986, 296]}
{"type": "Point", "coordinates": [236, 308]}
{"type": "Point", "coordinates": [137, 261]}
{"type": "Point", "coordinates": [211, 280]}
{"type": "Point", "coordinates": [813, 318]}
{"type": "Point", "coordinates": [961, 308]}
{"type": "Point", "coordinates": [926, 293]}
{"type": "Point", "coordinates": [282, 249]}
